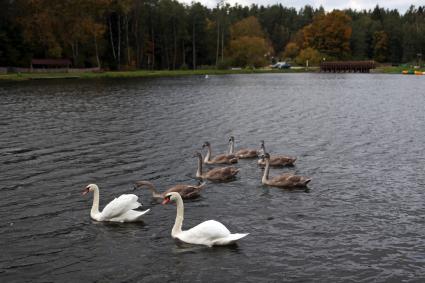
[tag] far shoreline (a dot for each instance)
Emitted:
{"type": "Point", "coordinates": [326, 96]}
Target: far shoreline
{"type": "Point", "coordinates": [18, 77]}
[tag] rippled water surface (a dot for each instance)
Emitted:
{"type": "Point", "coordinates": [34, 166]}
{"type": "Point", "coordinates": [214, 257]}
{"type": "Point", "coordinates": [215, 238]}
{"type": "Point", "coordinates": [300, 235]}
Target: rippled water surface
{"type": "Point", "coordinates": [359, 137]}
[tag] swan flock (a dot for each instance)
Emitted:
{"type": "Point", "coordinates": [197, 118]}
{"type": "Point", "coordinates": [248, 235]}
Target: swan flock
{"type": "Point", "coordinates": [211, 232]}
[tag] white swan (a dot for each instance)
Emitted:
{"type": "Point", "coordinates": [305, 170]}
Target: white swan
{"type": "Point", "coordinates": [121, 209]}
{"type": "Point", "coordinates": [209, 233]}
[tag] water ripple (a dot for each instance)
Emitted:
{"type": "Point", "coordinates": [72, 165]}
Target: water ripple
{"type": "Point", "coordinates": [358, 136]}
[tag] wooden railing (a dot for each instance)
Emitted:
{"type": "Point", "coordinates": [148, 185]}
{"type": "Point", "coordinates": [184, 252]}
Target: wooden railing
{"type": "Point", "coordinates": [347, 66]}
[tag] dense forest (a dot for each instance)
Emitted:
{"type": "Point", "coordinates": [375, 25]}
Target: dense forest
{"type": "Point", "coordinates": [166, 34]}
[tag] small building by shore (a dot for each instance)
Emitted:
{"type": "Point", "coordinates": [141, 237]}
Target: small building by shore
{"type": "Point", "coordinates": [62, 64]}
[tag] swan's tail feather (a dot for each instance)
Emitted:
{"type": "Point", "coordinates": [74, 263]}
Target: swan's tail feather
{"type": "Point", "coordinates": [307, 181]}
{"type": "Point", "coordinates": [232, 238]}
{"type": "Point", "coordinates": [141, 213]}
{"type": "Point", "coordinates": [129, 216]}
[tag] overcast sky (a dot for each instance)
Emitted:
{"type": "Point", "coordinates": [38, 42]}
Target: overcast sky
{"type": "Point", "coordinates": [401, 5]}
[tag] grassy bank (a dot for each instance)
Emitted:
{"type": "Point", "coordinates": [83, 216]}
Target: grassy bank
{"type": "Point", "coordinates": [141, 74]}
{"type": "Point", "coordinates": [395, 69]}
{"type": "Point", "coordinates": [167, 73]}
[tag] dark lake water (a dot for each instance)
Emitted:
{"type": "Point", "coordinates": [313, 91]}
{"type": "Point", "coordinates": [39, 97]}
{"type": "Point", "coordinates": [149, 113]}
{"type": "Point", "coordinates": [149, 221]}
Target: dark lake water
{"type": "Point", "coordinates": [359, 137]}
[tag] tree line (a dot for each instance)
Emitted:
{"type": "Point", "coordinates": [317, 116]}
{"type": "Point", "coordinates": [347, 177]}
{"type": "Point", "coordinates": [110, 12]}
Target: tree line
{"type": "Point", "coordinates": [166, 34]}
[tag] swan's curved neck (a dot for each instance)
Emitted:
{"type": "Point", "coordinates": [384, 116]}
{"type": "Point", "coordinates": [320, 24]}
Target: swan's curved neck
{"type": "Point", "coordinates": [199, 171]}
{"type": "Point", "coordinates": [177, 228]}
{"type": "Point", "coordinates": [208, 156]}
{"type": "Point", "coordinates": [95, 206]}
{"type": "Point", "coordinates": [266, 172]}
{"type": "Point", "coordinates": [151, 188]}
{"type": "Point", "coordinates": [231, 147]}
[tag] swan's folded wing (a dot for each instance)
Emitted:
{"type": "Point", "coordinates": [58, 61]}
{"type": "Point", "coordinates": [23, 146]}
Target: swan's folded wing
{"type": "Point", "coordinates": [285, 159]}
{"type": "Point", "coordinates": [283, 177]}
{"type": "Point", "coordinates": [207, 231]}
{"type": "Point", "coordinates": [191, 190]}
{"type": "Point", "coordinates": [120, 205]}
{"type": "Point", "coordinates": [296, 179]}
{"type": "Point", "coordinates": [223, 157]}
{"type": "Point", "coordinates": [228, 170]}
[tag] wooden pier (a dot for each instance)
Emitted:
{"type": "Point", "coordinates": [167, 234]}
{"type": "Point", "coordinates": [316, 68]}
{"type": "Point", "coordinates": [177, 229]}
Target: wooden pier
{"type": "Point", "coordinates": [347, 66]}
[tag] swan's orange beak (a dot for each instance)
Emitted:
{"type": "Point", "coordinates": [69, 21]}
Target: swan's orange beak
{"type": "Point", "coordinates": [86, 191]}
{"type": "Point", "coordinates": [166, 200]}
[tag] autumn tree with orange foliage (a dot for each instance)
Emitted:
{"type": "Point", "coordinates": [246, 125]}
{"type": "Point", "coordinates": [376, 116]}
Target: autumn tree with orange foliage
{"type": "Point", "coordinates": [291, 50]}
{"type": "Point", "coordinates": [249, 45]}
{"type": "Point", "coordinates": [329, 34]}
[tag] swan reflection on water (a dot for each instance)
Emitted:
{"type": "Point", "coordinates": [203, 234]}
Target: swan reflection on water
{"type": "Point", "coordinates": [181, 247]}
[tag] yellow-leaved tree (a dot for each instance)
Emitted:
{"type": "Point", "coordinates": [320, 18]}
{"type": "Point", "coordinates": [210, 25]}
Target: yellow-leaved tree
{"type": "Point", "coordinates": [291, 50]}
{"type": "Point", "coordinates": [309, 54]}
{"type": "Point", "coordinates": [249, 45]}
